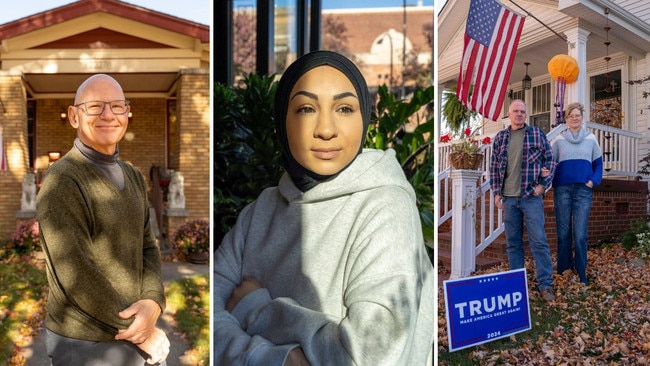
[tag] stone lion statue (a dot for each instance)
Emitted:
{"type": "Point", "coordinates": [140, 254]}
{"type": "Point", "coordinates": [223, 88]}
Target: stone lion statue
{"type": "Point", "coordinates": [176, 191]}
{"type": "Point", "coordinates": [28, 200]}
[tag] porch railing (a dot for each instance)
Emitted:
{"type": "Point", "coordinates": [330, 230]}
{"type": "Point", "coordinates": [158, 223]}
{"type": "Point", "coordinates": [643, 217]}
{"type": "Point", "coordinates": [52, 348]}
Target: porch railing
{"type": "Point", "coordinates": [620, 158]}
{"type": "Point", "coordinates": [490, 225]}
{"type": "Point", "coordinates": [620, 149]}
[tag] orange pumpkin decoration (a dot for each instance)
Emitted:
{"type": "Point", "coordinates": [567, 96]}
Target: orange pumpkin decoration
{"type": "Point", "coordinates": [563, 66]}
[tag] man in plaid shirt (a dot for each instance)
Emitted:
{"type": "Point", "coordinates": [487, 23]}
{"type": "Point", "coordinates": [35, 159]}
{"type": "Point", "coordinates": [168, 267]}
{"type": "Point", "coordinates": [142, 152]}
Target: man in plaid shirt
{"type": "Point", "coordinates": [521, 169]}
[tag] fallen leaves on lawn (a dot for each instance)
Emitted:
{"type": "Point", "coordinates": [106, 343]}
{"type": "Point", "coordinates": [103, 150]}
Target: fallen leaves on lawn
{"type": "Point", "coordinates": [29, 311]}
{"type": "Point", "coordinates": [606, 322]}
{"type": "Point", "coordinates": [22, 305]}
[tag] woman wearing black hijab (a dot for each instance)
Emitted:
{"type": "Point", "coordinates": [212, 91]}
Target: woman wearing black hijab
{"type": "Point", "coordinates": [329, 267]}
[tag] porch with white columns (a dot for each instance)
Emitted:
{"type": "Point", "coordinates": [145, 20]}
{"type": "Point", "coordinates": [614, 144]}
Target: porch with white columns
{"type": "Point", "coordinates": [463, 233]}
{"type": "Point", "coordinates": [577, 48]}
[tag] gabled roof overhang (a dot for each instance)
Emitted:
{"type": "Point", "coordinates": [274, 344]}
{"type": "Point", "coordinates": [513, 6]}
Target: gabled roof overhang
{"type": "Point", "coordinates": [57, 49]}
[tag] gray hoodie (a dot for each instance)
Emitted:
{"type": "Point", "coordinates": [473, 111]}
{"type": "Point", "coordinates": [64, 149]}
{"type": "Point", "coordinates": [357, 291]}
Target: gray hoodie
{"type": "Point", "coordinates": [344, 272]}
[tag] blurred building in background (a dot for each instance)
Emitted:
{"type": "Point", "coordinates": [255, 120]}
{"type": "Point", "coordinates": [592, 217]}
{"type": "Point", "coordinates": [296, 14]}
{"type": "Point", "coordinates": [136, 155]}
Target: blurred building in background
{"type": "Point", "coordinates": [392, 46]}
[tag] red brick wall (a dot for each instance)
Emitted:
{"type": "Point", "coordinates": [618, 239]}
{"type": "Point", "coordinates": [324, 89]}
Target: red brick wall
{"type": "Point", "coordinates": [375, 23]}
{"type": "Point", "coordinates": [194, 142]}
{"type": "Point", "coordinates": [143, 145]}
{"type": "Point", "coordinates": [616, 205]}
{"type": "Point", "coordinates": [14, 138]}
{"type": "Point", "coordinates": [52, 134]}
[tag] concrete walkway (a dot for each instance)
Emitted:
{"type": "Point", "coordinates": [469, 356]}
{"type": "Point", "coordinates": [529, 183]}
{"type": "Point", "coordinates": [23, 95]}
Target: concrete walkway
{"type": "Point", "coordinates": [36, 354]}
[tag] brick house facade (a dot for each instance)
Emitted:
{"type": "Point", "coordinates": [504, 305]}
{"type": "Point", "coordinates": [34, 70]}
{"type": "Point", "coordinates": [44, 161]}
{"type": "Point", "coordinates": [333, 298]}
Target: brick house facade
{"type": "Point", "coordinates": [366, 27]}
{"type": "Point", "coordinates": [162, 63]}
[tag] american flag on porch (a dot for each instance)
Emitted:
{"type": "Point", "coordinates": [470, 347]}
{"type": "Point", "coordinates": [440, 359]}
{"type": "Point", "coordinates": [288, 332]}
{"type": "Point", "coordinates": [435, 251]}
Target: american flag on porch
{"type": "Point", "coordinates": [3, 154]}
{"type": "Point", "coordinates": [491, 39]}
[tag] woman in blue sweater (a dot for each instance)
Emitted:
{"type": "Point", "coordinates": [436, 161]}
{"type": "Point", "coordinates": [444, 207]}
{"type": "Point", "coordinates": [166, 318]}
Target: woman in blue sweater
{"type": "Point", "coordinates": [579, 168]}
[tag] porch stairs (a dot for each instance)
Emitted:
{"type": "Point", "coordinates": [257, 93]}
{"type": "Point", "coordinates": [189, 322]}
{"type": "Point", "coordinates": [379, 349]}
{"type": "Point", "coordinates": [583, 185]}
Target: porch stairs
{"type": "Point", "coordinates": [493, 255]}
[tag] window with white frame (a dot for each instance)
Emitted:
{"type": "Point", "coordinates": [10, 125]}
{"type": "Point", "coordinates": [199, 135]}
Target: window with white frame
{"type": "Point", "coordinates": [517, 95]}
{"type": "Point", "coordinates": [540, 107]}
{"type": "Point", "coordinates": [605, 99]}
{"type": "Point", "coordinates": [512, 95]}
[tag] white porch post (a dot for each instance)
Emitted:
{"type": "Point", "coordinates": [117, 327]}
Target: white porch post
{"type": "Point", "coordinates": [463, 231]}
{"type": "Point", "coordinates": [577, 48]}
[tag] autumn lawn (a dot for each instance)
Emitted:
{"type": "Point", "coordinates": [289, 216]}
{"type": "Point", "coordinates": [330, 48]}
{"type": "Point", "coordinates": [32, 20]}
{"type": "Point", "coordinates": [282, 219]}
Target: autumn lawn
{"type": "Point", "coordinates": [604, 323]}
{"type": "Point", "coordinates": [23, 290]}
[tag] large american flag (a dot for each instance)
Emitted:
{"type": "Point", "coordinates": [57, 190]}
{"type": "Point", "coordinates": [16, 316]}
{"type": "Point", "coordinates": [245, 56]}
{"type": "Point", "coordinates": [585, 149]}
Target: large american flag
{"type": "Point", "coordinates": [491, 40]}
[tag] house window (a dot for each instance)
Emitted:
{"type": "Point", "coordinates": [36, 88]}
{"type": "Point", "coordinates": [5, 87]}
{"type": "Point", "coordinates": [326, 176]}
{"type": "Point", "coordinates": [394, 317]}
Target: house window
{"type": "Point", "coordinates": [605, 99]}
{"type": "Point", "coordinates": [541, 99]}
{"type": "Point", "coordinates": [512, 95]}
{"type": "Point", "coordinates": [517, 95]}
{"type": "Point", "coordinates": [540, 114]}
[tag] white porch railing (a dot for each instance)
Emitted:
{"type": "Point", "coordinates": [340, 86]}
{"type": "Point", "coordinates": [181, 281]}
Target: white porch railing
{"type": "Point", "coordinates": [620, 158]}
{"type": "Point", "coordinates": [620, 149]}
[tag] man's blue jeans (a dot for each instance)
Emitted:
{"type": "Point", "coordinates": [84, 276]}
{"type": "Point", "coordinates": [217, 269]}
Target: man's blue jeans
{"type": "Point", "coordinates": [572, 204]}
{"type": "Point", "coordinates": [530, 211]}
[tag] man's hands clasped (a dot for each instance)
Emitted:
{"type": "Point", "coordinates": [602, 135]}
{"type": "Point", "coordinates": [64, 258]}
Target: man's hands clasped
{"type": "Point", "coordinates": [143, 331]}
{"type": "Point", "coordinates": [156, 346]}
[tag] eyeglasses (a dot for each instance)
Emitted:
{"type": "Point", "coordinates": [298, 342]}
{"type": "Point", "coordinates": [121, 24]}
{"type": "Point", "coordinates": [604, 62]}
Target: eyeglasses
{"type": "Point", "coordinates": [96, 107]}
{"type": "Point", "coordinates": [575, 116]}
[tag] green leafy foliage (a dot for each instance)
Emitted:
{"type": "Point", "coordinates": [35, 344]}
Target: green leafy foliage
{"type": "Point", "coordinates": [23, 298]}
{"type": "Point", "coordinates": [635, 236]}
{"type": "Point", "coordinates": [413, 147]}
{"type": "Point", "coordinates": [644, 169]}
{"type": "Point", "coordinates": [246, 153]}
{"type": "Point", "coordinates": [23, 292]}
{"type": "Point", "coordinates": [645, 165]}
{"type": "Point", "coordinates": [455, 113]}
{"type": "Point", "coordinates": [189, 300]}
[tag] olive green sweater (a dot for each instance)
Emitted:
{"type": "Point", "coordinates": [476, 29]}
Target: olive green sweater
{"type": "Point", "coordinates": [100, 252]}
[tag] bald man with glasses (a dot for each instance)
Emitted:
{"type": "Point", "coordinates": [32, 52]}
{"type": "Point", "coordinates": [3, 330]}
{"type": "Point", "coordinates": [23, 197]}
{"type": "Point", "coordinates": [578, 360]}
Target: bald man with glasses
{"type": "Point", "coordinates": [103, 263]}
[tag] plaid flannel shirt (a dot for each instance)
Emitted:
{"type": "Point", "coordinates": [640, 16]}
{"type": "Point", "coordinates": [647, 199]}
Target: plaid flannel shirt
{"type": "Point", "coordinates": [537, 154]}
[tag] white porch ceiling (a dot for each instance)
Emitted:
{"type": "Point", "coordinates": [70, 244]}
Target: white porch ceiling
{"type": "Point", "coordinates": [65, 85]}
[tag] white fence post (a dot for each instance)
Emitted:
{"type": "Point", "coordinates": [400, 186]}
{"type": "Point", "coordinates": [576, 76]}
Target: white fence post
{"type": "Point", "coordinates": [463, 232]}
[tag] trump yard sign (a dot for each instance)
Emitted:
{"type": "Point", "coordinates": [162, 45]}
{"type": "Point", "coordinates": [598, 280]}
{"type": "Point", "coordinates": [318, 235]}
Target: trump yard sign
{"type": "Point", "coordinates": [487, 307]}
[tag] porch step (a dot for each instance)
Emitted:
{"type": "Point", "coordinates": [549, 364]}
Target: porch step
{"type": "Point", "coordinates": [493, 255]}
{"type": "Point", "coordinates": [444, 259]}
